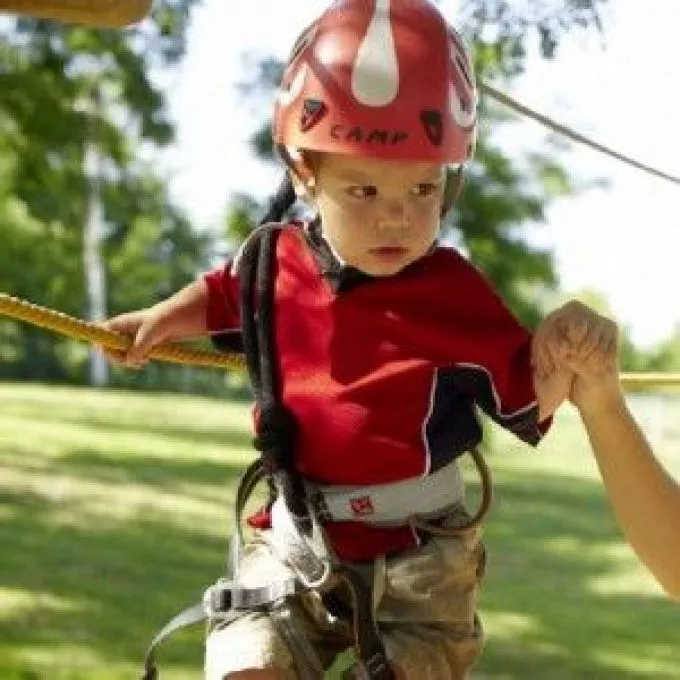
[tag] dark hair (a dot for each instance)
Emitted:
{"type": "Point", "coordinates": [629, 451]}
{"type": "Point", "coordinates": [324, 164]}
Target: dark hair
{"type": "Point", "coordinates": [285, 196]}
{"type": "Point", "coordinates": [281, 201]}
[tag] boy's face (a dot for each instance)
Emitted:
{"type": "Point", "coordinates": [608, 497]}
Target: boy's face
{"type": "Point", "coordinates": [378, 215]}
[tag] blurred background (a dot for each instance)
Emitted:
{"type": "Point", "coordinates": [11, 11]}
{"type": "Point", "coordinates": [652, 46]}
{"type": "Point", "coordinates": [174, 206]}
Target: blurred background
{"type": "Point", "coordinates": [131, 160]}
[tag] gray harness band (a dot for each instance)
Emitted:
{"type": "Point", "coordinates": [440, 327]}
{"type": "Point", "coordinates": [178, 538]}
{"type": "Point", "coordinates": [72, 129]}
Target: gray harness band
{"type": "Point", "coordinates": [391, 504]}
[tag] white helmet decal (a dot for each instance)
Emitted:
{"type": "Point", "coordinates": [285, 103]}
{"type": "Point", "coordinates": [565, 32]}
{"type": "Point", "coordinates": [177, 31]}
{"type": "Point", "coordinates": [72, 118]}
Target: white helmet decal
{"type": "Point", "coordinates": [375, 76]}
{"type": "Point", "coordinates": [288, 95]}
{"type": "Point", "coordinates": [463, 116]}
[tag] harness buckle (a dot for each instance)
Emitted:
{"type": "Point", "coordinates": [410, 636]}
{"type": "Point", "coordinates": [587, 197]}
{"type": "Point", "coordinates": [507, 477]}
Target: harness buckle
{"type": "Point", "coordinates": [218, 598]}
{"type": "Point", "coordinates": [315, 583]}
{"type": "Point", "coordinates": [373, 667]}
{"type": "Point", "coordinates": [210, 606]}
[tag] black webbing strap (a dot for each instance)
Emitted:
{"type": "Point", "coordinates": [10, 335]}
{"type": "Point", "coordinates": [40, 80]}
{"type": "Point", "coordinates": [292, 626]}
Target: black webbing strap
{"type": "Point", "coordinates": [276, 425]}
{"type": "Point", "coordinates": [276, 431]}
{"type": "Point", "coordinates": [369, 647]}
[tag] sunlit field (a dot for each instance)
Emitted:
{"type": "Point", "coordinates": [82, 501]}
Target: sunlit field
{"type": "Point", "coordinates": [115, 510]}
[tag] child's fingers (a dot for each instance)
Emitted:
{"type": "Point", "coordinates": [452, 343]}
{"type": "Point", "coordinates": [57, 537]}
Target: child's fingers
{"type": "Point", "coordinates": [144, 335]}
{"type": "Point", "coordinates": [148, 335]}
{"type": "Point", "coordinates": [127, 323]}
{"type": "Point", "coordinates": [574, 329]}
{"type": "Point", "coordinates": [541, 356]}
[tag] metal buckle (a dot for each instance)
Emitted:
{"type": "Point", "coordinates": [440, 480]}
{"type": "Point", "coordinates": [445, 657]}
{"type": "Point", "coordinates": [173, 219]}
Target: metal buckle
{"type": "Point", "coordinates": [313, 584]}
{"type": "Point", "coordinates": [372, 666]}
{"type": "Point", "coordinates": [213, 601]}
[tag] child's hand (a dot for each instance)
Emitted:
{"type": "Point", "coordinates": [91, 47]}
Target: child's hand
{"type": "Point", "coordinates": [181, 316]}
{"type": "Point", "coordinates": [576, 337]}
{"type": "Point", "coordinates": [147, 327]}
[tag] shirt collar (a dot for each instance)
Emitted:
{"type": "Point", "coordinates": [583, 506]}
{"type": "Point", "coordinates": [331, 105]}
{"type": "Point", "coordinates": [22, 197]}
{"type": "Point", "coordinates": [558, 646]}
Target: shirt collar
{"type": "Point", "coordinates": [340, 276]}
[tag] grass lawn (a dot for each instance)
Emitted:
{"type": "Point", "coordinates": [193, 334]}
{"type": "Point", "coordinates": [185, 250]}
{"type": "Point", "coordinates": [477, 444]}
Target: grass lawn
{"type": "Point", "coordinates": [115, 507]}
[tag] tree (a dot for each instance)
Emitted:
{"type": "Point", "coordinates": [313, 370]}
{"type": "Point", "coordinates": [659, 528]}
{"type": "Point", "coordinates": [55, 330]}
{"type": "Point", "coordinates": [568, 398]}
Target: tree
{"type": "Point", "coordinates": [501, 194]}
{"type": "Point", "coordinates": [665, 356]}
{"type": "Point", "coordinates": [64, 87]}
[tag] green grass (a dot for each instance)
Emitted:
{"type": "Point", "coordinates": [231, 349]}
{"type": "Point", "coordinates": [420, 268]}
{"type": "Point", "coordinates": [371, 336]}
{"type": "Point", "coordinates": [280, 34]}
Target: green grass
{"type": "Point", "coordinates": [115, 507]}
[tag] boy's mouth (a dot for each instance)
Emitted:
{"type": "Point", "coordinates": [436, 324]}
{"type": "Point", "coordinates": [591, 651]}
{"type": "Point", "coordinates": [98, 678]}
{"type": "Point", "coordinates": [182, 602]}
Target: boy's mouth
{"type": "Point", "coordinates": [389, 252]}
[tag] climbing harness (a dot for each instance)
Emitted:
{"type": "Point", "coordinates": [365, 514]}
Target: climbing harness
{"type": "Point", "coordinates": [299, 508]}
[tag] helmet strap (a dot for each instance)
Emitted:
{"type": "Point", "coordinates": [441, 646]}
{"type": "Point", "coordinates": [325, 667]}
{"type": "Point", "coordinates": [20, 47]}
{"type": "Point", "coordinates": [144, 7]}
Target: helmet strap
{"type": "Point", "coordinates": [452, 188]}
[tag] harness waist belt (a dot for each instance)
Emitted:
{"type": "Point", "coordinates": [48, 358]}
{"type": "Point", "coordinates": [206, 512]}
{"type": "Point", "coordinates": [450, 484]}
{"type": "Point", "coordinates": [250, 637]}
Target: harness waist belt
{"type": "Point", "coordinates": [390, 504]}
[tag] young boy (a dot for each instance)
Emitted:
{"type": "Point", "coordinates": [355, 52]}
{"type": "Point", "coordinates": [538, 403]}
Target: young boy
{"type": "Point", "coordinates": [384, 340]}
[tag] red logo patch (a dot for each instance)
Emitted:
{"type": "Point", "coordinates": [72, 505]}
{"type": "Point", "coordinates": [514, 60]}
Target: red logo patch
{"type": "Point", "coordinates": [362, 505]}
{"type": "Point", "coordinates": [313, 110]}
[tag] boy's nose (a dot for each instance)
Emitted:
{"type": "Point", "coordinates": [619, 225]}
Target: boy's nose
{"type": "Point", "coordinates": [392, 215]}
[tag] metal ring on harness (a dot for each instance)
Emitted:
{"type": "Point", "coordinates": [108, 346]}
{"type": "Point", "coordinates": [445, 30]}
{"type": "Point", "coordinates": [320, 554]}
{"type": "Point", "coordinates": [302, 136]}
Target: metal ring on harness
{"type": "Point", "coordinates": [475, 520]}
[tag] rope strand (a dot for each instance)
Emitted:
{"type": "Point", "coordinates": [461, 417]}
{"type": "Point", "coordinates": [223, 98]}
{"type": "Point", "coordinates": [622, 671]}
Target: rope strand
{"type": "Point", "coordinates": [82, 330]}
{"type": "Point", "coordinates": [58, 322]}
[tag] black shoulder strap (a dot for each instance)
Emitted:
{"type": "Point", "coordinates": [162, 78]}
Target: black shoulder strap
{"type": "Point", "coordinates": [276, 431]}
{"type": "Point", "coordinates": [276, 428]}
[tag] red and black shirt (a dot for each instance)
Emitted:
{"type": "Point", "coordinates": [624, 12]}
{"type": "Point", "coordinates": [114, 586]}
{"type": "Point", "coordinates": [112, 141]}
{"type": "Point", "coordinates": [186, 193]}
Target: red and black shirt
{"type": "Point", "coordinates": [382, 373]}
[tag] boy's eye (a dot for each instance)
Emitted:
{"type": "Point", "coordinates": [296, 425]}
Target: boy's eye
{"type": "Point", "coordinates": [425, 189]}
{"type": "Point", "coordinates": [362, 191]}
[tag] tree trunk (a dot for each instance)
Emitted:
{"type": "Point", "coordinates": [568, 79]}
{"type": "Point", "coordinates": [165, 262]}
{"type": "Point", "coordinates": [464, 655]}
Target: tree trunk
{"type": "Point", "coordinates": [95, 275]}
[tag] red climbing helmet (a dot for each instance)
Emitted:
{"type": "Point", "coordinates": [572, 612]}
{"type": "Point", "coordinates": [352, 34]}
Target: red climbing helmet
{"type": "Point", "coordinates": [381, 78]}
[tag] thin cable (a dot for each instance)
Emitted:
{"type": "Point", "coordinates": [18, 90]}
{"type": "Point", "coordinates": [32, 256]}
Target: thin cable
{"type": "Point", "coordinates": [570, 133]}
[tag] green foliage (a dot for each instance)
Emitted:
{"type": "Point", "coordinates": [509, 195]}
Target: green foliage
{"type": "Point", "coordinates": [242, 216]}
{"type": "Point", "coordinates": [501, 30]}
{"type": "Point", "coordinates": [486, 222]}
{"type": "Point", "coordinates": [664, 357]}
{"type": "Point", "coordinates": [66, 88]}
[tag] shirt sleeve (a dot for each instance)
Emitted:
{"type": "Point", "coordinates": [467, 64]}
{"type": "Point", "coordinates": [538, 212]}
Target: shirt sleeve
{"type": "Point", "coordinates": [499, 376]}
{"type": "Point", "coordinates": [222, 312]}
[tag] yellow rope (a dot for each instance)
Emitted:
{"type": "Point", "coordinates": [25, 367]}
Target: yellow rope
{"type": "Point", "coordinates": [640, 380]}
{"type": "Point", "coordinates": [81, 330]}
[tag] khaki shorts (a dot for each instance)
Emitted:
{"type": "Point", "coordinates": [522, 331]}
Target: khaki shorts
{"type": "Point", "coordinates": [424, 599]}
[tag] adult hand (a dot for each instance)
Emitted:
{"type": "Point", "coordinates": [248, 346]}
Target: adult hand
{"type": "Point", "coordinates": [576, 338]}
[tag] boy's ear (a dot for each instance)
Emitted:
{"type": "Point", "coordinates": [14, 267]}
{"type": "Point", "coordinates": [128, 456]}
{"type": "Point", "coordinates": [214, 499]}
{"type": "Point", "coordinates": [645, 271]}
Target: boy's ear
{"type": "Point", "coordinates": [452, 188]}
{"type": "Point", "coordinates": [300, 171]}
{"type": "Point", "coordinates": [303, 188]}
{"type": "Point", "coordinates": [303, 174]}
{"type": "Point", "coordinates": [302, 166]}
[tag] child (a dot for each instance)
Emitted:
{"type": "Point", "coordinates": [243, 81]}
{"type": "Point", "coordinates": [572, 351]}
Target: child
{"type": "Point", "coordinates": [384, 341]}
